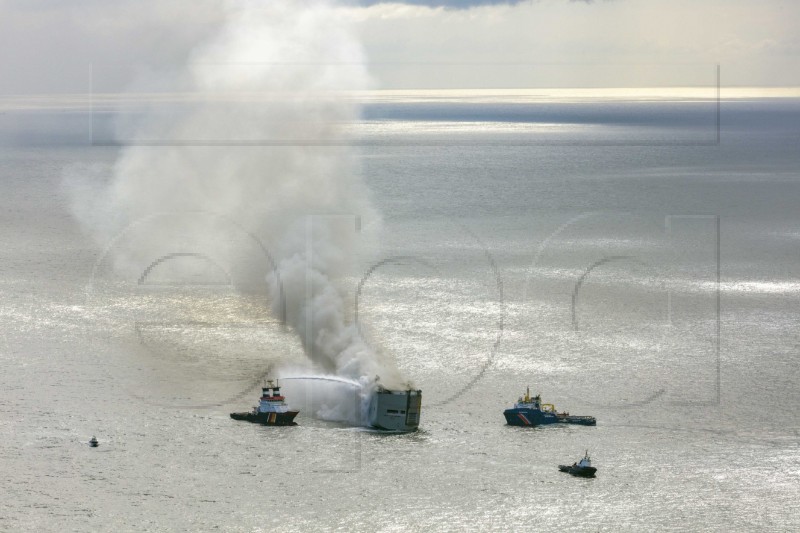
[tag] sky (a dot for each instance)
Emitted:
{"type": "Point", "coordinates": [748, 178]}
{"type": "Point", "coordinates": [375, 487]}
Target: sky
{"type": "Point", "coordinates": [49, 46]}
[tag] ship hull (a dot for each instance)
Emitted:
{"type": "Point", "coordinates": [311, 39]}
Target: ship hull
{"type": "Point", "coordinates": [532, 417]}
{"type": "Point", "coordinates": [580, 471]}
{"type": "Point", "coordinates": [268, 419]}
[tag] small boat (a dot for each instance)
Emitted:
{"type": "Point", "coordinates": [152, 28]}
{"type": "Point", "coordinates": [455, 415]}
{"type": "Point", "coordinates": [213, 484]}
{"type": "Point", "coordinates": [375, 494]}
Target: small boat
{"type": "Point", "coordinates": [530, 411]}
{"type": "Point", "coordinates": [582, 468]}
{"type": "Point", "coordinates": [271, 409]}
{"type": "Point", "coordinates": [93, 442]}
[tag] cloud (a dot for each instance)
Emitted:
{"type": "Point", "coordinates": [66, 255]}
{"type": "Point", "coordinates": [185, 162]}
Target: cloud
{"type": "Point", "coordinates": [559, 43]}
{"type": "Point", "coordinates": [456, 4]}
{"type": "Point", "coordinates": [51, 47]}
{"type": "Point", "coordinates": [453, 4]}
{"type": "Point", "coordinates": [460, 4]}
{"type": "Point", "coordinates": [48, 46]}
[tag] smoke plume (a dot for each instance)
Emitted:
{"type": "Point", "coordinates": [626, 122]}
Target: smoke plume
{"type": "Point", "coordinates": [264, 145]}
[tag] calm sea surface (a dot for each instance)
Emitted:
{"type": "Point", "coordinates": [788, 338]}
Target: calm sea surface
{"type": "Point", "coordinates": [612, 255]}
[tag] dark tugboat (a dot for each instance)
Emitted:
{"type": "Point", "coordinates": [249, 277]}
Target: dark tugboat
{"type": "Point", "coordinates": [532, 412]}
{"type": "Point", "coordinates": [271, 409]}
{"type": "Point", "coordinates": [93, 442]}
{"type": "Point", "coordinates": [582, 468]}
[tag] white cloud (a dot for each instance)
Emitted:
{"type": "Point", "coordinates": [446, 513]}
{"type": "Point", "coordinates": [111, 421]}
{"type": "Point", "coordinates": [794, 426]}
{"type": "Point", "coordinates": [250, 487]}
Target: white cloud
{"type": "Point", "coordinates": [48, 46]}
{"type": "Point", "coordinates": [561, 43]}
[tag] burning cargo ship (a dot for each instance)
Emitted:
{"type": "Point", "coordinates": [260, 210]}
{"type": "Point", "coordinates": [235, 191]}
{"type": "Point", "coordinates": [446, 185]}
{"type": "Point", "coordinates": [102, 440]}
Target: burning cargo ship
{"type": "Point", "coordinates": [395, 410]}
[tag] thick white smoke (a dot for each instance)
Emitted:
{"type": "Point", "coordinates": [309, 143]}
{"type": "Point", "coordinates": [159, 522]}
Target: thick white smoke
{"type": "Point", "coordinates": [264, 145]}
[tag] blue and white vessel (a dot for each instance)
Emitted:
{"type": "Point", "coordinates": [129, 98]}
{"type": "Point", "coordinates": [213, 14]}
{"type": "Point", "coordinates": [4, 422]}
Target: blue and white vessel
{"type": "Point", "coordinates": [530, 411]}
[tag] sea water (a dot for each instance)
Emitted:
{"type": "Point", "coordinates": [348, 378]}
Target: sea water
{"type": "Point", "coordinates": [624, 258]}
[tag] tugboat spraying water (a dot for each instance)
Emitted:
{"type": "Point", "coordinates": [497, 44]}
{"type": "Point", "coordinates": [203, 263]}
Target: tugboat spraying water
{"type": "Point", "coordinates": [382, 408]}
{"type": "Point", "coordinates": [271, 409]}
